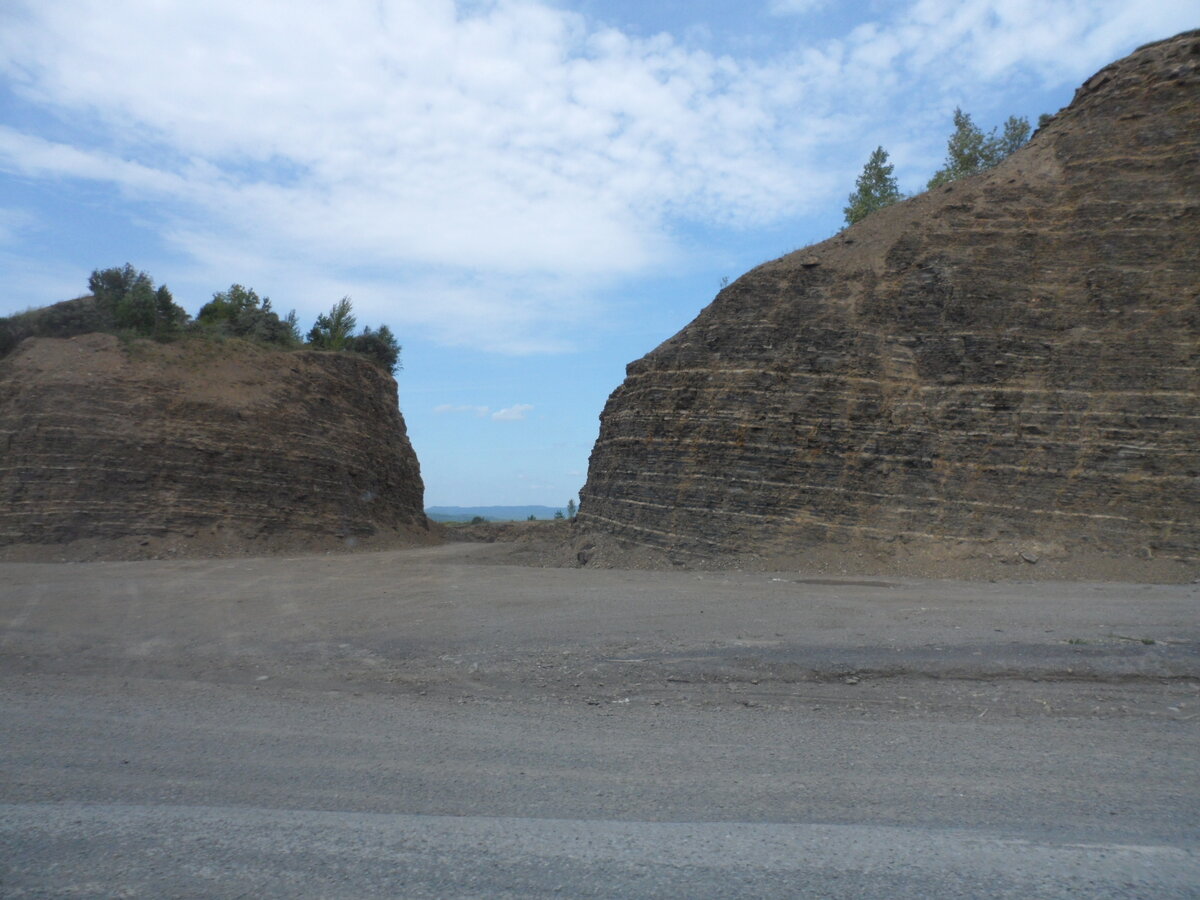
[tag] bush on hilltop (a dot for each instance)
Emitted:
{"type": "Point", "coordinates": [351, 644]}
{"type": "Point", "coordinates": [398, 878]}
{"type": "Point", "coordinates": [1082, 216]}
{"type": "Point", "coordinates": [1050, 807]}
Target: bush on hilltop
{"type": "Point", "coordinates": [239, 312]}
{"type": "Point", "coordinates": [129, 299]}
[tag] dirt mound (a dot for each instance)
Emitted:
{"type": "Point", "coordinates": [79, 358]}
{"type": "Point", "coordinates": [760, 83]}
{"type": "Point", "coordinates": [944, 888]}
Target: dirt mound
{"type": "Point", "coordinates": [199, 447]}
{"type": "Point", "coordinates": [1004, 369]}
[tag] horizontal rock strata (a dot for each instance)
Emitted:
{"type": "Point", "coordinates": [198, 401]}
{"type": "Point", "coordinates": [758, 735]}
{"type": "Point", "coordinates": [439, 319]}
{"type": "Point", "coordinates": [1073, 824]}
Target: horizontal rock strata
{"type": "Point", "coordinates": [200, 446]}
{"type": "Point", "coordinates": [1012, 356]}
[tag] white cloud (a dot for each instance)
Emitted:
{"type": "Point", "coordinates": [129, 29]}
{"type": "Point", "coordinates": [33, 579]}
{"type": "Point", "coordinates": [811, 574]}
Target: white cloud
{"type": "Point", "coordinates": [13, 221]}
{"type": "Point", "coordinates": [478, 411]}
{"type": "Point", "coordinates": [796, 7]}
{"type": "Point", "coordinates": [509, 140]}
{"type": "Point", "coordinates": [515, 413]}
{"type": "Point", "coordinates": [1065, 40]}
{"type": "Point", "coordinates": [518, 412]}
{"type": "Point", "coordinates": [497, 166]}
{"type": "Point", "coordinates": [482, 171]}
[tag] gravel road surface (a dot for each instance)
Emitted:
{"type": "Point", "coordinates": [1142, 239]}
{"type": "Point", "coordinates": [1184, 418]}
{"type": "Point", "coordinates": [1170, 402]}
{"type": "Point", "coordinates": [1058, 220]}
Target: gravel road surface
{"type": "Point", "coordinates": [427, 723]}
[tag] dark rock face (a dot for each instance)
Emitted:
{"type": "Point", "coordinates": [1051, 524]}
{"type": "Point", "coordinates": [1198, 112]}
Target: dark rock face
{"type": "Point", "coordinates": [1013, 356]}
{"type": "Point", "coordinates": [200, 447]}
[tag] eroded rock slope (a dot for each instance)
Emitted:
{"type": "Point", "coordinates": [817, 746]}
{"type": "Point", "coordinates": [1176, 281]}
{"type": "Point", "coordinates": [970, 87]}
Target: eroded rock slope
{"type": "Point", "coordinates": [199, 447]}
{"type": "Point", "coordinates": [1010, 358]}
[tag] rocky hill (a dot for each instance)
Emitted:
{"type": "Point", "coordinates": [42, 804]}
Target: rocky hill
{"type": "Point", "coordinates": [198, 447]}
{"type": "Point", "coordinates": [1006, 366]}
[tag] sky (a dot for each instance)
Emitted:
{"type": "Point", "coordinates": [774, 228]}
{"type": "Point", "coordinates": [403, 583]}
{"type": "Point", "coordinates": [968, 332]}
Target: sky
{"type": "Point", "coordinates": [530, 194]}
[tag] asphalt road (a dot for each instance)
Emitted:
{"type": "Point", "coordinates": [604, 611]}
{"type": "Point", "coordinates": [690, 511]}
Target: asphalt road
{"type": "Point", "coordinates": [423, 724]}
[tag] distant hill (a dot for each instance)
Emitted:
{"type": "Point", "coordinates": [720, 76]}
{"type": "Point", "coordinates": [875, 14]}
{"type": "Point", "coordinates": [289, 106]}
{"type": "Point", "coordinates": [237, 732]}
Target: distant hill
{"type": "Point", "coordinates": [491, 513]}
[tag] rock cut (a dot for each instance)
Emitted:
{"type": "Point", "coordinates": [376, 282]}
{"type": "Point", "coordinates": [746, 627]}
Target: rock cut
{"type": "Point", "coordinates": [199, 447]}
{"type": "Point", "coordinates": [1009, 360]}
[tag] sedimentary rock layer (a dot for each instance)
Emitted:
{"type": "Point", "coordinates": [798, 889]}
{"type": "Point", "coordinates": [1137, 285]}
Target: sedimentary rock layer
{"type": "Point", "coordinates": [1012, 356]}
{"type": "Point", "coordinates": [200, 446]}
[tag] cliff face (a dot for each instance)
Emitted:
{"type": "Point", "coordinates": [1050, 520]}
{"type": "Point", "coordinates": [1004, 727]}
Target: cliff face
{"type": "Point", "coordinates": [1011, 357]}
{"type": "Point", "coordinates": [199, 447]}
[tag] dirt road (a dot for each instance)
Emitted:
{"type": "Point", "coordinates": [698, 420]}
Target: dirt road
{"type": "Point", "coordinates": [429, 723]}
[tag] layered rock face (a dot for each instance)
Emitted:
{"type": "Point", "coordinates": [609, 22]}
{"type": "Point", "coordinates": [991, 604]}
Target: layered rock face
{"type": "Point", "coordinates": [1014, 356]}
{"type": "Point", "coordinates": [199, 447]}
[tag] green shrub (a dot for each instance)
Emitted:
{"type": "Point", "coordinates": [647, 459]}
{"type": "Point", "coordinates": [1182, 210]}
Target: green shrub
{"type": "Point", "coordinates": [970, 151]}
{"type": "Point", "coordinates": [125, 301]}
{"type": "Point", "coordinates": [335, 331]}
{"type": "Point", "coordinates": [378, 346]}
{"type": "Point", "coordinates": [332, 330]}
{"type": "Point", "coordinates": [9, 337]}
{"type": "Point", "coordinates": [129, 300]}
{"type": "Point", "coordinates": [65, 319]}
{"type": "Point", "coordinates": [240, 312]}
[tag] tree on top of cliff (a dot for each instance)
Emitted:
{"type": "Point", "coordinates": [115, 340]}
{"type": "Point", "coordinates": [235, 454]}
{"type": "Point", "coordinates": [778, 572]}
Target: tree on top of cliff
{"type": "Point", "coordinates": [335, 331]}
{"type": "Point", "coordinates": [1014, 136]}
{"type": "Point", "coordinates": [379, 346]}
{"type": "Point", "coordinates": [123, 299]}
{"type": "Point", "coordinates": [129, 299]}
{"type": "Point", "coordinates": [970, 151]}
{"type": "Point", "coordinates": [874, 189]}
{"type": "Point", "coordinates": [240, 312]}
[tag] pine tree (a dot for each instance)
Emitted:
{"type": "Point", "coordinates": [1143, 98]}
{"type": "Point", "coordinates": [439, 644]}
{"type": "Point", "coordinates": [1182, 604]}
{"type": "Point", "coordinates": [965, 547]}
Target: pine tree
{"type": "Point", "coordinates": [966, 151]}
{"type": "Point", "coordinates": [970, 151]}
{"type": "Point", "coordinates": [1014, 136]}
{"type": "Point", "coordinates": [874, 189]}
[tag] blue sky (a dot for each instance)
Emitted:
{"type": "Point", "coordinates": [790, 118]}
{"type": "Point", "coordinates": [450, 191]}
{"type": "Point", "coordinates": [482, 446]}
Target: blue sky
{"type": "Point", "coordinates": [530, 194]}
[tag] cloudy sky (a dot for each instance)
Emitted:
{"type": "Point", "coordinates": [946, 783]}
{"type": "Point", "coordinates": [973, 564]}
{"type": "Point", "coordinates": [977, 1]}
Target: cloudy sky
{"type": "Point", "coordinates": [529, 193]}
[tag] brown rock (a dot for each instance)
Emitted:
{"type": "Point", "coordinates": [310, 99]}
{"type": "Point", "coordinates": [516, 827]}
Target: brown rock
{"type": "Point", "coordinates": [1013, 356]}
{"type": "Point", "coordinates": [199, 447]}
